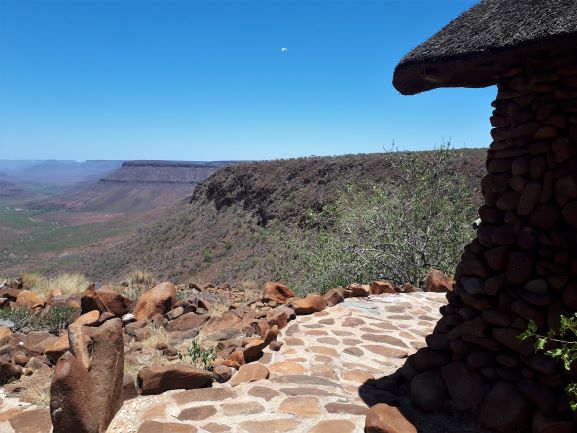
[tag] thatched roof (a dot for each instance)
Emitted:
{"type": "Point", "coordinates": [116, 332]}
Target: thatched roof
{"type": "Point", "coordinates": [472, 49]}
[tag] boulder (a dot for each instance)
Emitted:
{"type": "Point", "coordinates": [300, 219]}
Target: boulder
{"type": "Point", "coordinates": [504, 409]}
{"type": "Point", "coordinates": [278, 317]}
{"type": "Point", "coordinates": [222, 373]}
{"type": "Point", "coordinates": [464, 384]}
{"type": "Point", "coordinates": [129, 390]}
{"type": "Point", "coordinates": [84, 400]}
{"type": "Point", "coordinates": [9, 293]}
{"type": "Point", "coordinates": [71, 393]}
{"type": "Point", "coordinates": [437, 281]}
{"type": "Point", "coordinates": [104, 300]}
{"type": "Point", "coordinates": [360, 290]}
{"type": "Point", "coordinates": [544, 424]}
{"type": "Point", "coordinates": [88, 319]}
{"type": "Point", "coordinates": [187, 321]}
{"type": "Point", "coordinates": [156, 380]}
{"type": "Point", "coordinates": [428, 391]}
{"type": "Point", "coordinates": [9, 372]}
{"type": "Point", "coordinates": [381, 287]}
{"type": "Point", "coordinates": [382, 418]}
{"type": "Point", "coordinates": [309, 305]}
{"type": "Point", "coordinates": [131, 328]}
{"type": "Point", "coordinates": [56, 349]}
{"type": "Point", "coordinates": [276, 292]}
{"type": "Point", "coordinates": [107, 370]}
{"type": "Point", "coordinates": [158, 300]}
{"type": "Point", "coordinates": [29, 300]}
{"type": "Point", "coordinates": [334, 297]}
{"type": "Point", "coordinates": [408, 288]}
{"type": "Point", "coordinates": [253, 350]}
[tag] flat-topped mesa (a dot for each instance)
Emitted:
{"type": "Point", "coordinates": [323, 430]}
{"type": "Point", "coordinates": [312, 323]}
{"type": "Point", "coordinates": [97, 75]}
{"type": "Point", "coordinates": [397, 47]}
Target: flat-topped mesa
{"type": "Point", "coordinates": [522, 266]}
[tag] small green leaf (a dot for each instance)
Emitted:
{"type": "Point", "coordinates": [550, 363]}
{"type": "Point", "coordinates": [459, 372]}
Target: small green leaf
{"type": "Point", "coordinates": [540, 344]}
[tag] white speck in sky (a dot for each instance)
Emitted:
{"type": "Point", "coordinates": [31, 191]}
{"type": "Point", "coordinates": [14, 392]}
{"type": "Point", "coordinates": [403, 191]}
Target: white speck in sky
{"type": "Point", "coordinates": [283, 50]}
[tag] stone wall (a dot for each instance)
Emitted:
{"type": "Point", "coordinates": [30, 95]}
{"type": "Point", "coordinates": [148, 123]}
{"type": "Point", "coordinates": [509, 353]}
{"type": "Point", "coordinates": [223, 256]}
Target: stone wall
{"type": "Point", "coordinates": [522, 266]}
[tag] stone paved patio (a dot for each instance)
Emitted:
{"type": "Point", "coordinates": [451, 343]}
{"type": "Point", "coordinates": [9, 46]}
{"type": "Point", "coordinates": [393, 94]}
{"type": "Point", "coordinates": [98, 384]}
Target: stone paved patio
{"type": "Point", "coordinates": [315, 379]}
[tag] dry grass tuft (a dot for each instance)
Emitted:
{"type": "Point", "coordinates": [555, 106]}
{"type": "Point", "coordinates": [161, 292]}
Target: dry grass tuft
{"type": "Point", "coordinates": [217, 309]}
{"type": "Point", "coordinates": [140, 278]}
{"type": "Point", "coordinates": [131, 368]}
{"type": "Point", "coordinates": [158, 337]}
{"type": "Point", "coordinates": [67, 283]}
{"type": "Point", "coordinates": [30, 279]}
{"type": "Point", "coordinates": [249, 285]}
{"type": "Point", "coordinates": [36, 388]}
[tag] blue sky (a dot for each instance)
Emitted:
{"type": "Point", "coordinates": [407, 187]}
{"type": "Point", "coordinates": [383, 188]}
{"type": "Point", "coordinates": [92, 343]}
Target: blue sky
{"type": "Point", "coordinates": [206, 80]}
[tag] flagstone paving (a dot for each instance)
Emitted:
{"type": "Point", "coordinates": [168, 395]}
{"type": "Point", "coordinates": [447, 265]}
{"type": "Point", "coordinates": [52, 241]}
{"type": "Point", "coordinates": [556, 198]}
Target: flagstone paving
{"type": "Point", "coordinates": [316, 378]}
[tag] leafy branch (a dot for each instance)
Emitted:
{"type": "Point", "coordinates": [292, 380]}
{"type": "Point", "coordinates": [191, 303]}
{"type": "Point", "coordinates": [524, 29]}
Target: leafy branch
{"type": "Point", "coordinates": [557, 347]}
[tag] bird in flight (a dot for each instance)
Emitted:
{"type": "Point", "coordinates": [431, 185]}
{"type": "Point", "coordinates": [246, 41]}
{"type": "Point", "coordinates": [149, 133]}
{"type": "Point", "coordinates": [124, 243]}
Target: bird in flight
{"type": "Point", "coordinates": [283, 50]}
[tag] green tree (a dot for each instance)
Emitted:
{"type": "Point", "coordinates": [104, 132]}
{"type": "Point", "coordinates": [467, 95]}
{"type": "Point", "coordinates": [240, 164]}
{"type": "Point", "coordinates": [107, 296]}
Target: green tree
{"type": "Point", "coordinates": [397, 233]}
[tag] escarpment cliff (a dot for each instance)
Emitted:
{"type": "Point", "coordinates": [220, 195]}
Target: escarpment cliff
{"type": "Point", "coordinates": [138, 186]}
{"type": "Point", "coordinates": [226, 230]}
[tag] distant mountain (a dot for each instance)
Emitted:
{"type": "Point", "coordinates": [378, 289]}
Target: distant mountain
{"type": "Point", "coordinates": [137, 186]}
{"type": "Point", "coordinates": [9, 190]}
{"type": "Point", "coordinates": [58, 172]}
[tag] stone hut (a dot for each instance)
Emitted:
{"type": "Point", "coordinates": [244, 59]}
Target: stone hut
{"type": "Point", "coordinates": [522, 265]}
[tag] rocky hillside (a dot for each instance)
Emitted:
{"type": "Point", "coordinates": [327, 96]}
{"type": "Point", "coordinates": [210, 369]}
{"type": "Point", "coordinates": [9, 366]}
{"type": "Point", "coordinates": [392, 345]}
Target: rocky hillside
{"type": "Point", "coordinates": [137, 186]}
{"type": "Point", "coordinates": [227, 232]}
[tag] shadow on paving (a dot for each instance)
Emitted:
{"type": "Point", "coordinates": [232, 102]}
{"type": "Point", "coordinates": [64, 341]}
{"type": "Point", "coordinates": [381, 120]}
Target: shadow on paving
{"type": "Point", "coordinates": [392, 391]}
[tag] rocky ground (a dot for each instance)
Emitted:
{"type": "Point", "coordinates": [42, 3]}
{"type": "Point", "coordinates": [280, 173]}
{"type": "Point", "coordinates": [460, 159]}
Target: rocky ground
{"type": "Point", "coordinates": [319, 381]}
{"type": "Point", "coordinates": [321, 375]}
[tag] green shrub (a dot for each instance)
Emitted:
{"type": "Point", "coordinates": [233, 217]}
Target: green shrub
{"type": "Point", "coordinates": [561, 346]}
{"type": "Point", "coordinates": [199, 355]}
{"type": "Point", "coordinates": [207, 256]}
{"type": "Point", "coordinates": [55, 321]}
{"type": "Point", "coordinates": [20, 317]}
{"type": "Point", "coordinates": [397, 233]}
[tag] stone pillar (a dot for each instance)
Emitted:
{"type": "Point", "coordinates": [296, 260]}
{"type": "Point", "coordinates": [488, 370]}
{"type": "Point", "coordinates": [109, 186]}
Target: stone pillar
{"type": "Point", "coordinates": [522, 266]}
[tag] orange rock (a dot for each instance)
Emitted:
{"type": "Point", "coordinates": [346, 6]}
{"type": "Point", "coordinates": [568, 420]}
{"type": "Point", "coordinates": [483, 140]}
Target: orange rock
{"type": "Point", "coordinates": [57, 348]}
{"type": "Point", "coordinates": [309, 305]}
{"type": "Point", "coordinates": [105, 300]}
{"type": "Point", "coordinates": [437, 281]}
{"type": "Point", "coordinates": [277, 317]}
{"type": "Point", "coordinates": [87, 319]}
{"type": "Point", "coordinates": [408, 288]}
{"type": "Point", "coordinates": [237, 356]}
{"type": "Point", "coordinates": [159, 300]}
{"type": "Point", "coordinates": [155, 380]}
{"type": "Point", "coordinates": [253, 350]}
{"type": "Point", "coordinates": [380, 287]}
{"type": "Point", "coordinates": [28, 300]}
{"type": "Point", "coordinates": [360, 290]}
{"type": "Point", "coordinates": [276, 292]}
{"type": "Point", "coordinates": [382, 418]}
{"type": "Point", "coordinates": [334, 297]}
